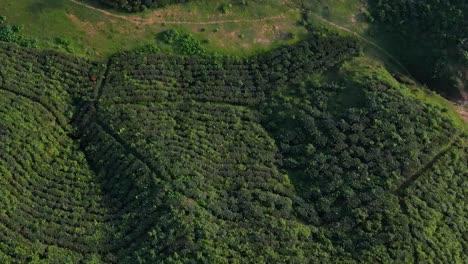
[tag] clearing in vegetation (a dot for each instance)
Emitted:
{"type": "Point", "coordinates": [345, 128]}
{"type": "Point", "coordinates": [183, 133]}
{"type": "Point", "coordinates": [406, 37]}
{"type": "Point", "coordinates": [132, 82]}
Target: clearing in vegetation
{"type": "Point", "coordinates": [94, 32]}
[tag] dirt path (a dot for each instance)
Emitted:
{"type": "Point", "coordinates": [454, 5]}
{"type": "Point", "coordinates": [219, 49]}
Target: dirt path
{"type": "Point", "coordinates": [463, 111]}
{"type": "Point", "coordinates": [410, 180]}
{"type": "Point", "coordinates": [372, 43]}
{"type": "Point", "coordinates": [150, 21]}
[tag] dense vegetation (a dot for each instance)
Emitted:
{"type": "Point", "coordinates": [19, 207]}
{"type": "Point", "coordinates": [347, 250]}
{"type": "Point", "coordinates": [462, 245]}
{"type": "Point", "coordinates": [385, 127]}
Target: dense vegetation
{"type": "Point", "coordinates": [286, 157]}
{"type": "Point", "coordinates": [49, 200]}
{"type": "Point", "coordinates": [353, 148]}
{"type": "Point", "coordinates": [13, 33]}
{"type": "Point", "coordinates": [182, 43]}
{"type": "Point", "coordinates": [139, 5]}
{"type": "Point", "coordinates": [430, 37]}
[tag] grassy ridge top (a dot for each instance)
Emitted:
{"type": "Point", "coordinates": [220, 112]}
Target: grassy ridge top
{"type": "Point", "coordinates": [393, 31]}
{"type": "Point", "coordinates": [86, 29]}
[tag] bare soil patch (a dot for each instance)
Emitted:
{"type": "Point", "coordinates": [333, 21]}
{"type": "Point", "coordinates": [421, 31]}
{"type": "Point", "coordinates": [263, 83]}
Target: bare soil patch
{"type": "Point", "coordinates": [89, 28]}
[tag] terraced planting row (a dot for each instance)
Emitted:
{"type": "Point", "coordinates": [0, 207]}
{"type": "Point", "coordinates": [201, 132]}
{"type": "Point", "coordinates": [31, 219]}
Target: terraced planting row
{"type": "Point", "coordinates": [60, 205]}
{"type": "Point", "coordinates": [48, 194]}
{"type": "Point", "coordinates": [49, 78]}
{"type": "Point", "coordinates": [435, 204]}
{"type": "Point", "coordinates": [157, 159]}
{"type": "Point", "coordinates": [151, 143]}
{"type": "Point", "coordinates": [219, 79]}
{"type": "Point", "coordinates": [349, 156]}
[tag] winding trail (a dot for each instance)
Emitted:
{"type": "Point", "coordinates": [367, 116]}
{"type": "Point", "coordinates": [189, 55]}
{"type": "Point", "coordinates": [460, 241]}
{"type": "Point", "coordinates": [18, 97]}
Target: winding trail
{"type": "Point", "coordinates": [410, 180]}
{"type": "Point", "coordinates": [368, 41]}
{"type": "Point", "coordinates": [150, 21]}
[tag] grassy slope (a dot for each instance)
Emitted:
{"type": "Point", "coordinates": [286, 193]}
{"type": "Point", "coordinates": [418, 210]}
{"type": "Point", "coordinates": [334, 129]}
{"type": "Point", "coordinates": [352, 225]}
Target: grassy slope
{"type": "Point", "coordinates": [93, 34]}
{"type": "Point", "coordinates": [350, 14]}
{"type": "Point", "coordinates": [414, 90]}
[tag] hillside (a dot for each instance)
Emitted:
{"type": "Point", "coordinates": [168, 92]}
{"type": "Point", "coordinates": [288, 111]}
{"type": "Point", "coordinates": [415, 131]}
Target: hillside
{"type": "Point", "coordinates": [316, 148]}
{"type": "Point", "coordinates": [424, 40]}
{"type": "Point", "coordinates": [167, 158]}
{"type": "Point", "coordinates": [430, 37]}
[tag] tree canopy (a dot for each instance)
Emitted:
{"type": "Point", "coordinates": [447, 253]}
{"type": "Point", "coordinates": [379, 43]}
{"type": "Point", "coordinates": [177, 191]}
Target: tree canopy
{"type": "Point", "coordinates": [298, 155]}
{"type": "Point", "coordinates": [430, 37]}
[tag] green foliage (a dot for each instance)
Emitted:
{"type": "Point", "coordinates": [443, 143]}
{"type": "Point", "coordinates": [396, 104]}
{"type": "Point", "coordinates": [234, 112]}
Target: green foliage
{"type": "Point", "coordinates": [148, 49]}
{"type": "Point", "coordinates": [347, 161]}
{"type": "Point", "coordinates": [65, 44]}
{"type": "Point", "coordinates": [428, 36]}
{"type": "Point", "coordinates": [183, 43]}
{"type": "Point", "coordinates": [13, 34]}
{"type": "Point", "coordinates": [160, 196]}
{"type": "Point", "coordinates": [62, 41]}
{"type": "Point", "coordinates": [138, 5]}
{"type": "Point", "coordinates": [225, 8]}
{"type": "Point", "coordinates": [189, 45]}
{"type": "Point", "coordinates": [180, 159]}
{"type": "Point", "coordinates": [49, 200]}
{"type": "Point", "coordinates": [170, 36]}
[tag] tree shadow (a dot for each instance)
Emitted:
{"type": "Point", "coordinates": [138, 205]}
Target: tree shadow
{"type": "Point", "coordinates": [40, 7]}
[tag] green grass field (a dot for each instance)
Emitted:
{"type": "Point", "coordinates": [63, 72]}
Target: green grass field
{"type": "Point", "coordinates": [95, 34]}
{"type": "Point", "coordinates": [346, 13]}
